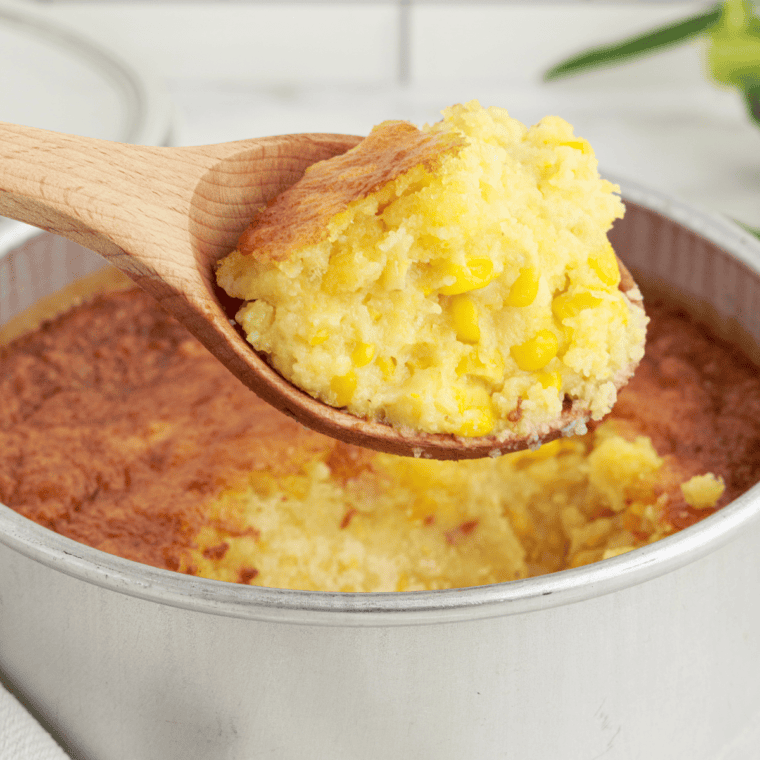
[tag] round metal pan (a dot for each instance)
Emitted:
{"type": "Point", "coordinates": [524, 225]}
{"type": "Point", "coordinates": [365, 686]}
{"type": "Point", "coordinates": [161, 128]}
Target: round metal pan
{"type": "Point", "coordinates": [653, 654]}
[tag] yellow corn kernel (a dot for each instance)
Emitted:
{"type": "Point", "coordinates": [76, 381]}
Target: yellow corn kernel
{"type": "Point", "coordinates": [582, 145]}
{"type": "Point", "coordinates": [477, 273]}
{"type": "Point", "coordinates": [619, 307]}
{"type": "Point", "coordinates": [492, 368]}
{"type": "Point", "coordinates": [387, 366]}
{"type": "Point", "coordinates": [464, 313]}
{"type": "Point", "coordinates": [605, 266]}
{"type": "Point", "coordinates": [524, 289]}
{"type": "Point", "coordinates": [362, 354]}
{"type": "Point", "coordinates": [536, 352]}
{"type": "Point", "coordinates": [394, 274]}
{"type": "Point", "coordinates": [566, 305]}
{"type": "Point", "coordinates": [413, 407]}
{"type": "Point", "coordinates": [476, 407]}
{"type": "Point", "coordinates": [319, 337]}
{"type": "Point", "coordinates": [481, 269]}
{"type": "Point", "coordinates": [341, 274]}
{"type": "Point", "coordinates": [343, 388]}
{"type": "Point", "coordinates": [480, 422]}
{"type": "Point", "coordinates": [550, 380]}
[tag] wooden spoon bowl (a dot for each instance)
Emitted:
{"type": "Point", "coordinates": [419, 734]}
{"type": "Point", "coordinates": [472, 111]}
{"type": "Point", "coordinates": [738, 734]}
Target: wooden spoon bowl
{"type": "Point", "coordinates": [165, 216]}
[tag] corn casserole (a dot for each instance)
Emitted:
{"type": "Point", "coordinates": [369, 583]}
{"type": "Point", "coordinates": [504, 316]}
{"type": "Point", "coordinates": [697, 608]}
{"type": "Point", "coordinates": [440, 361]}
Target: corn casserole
{"type": "Point", "coordinates": [455, 279]}
{"type": "Point", "coordinates": [119, 430]}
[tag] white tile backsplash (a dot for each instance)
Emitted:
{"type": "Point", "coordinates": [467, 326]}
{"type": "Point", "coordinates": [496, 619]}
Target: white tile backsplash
{"type": "Point", "coordinates": [272, 44]}
{"type": "Point", "coordinates": [297, 42]}
{"type": "Point", "coordinates": [517, 42]}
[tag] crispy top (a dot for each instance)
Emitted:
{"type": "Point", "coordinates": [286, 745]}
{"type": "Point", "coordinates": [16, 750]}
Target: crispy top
{"type": "Point", "coordinates": [299, 216]}
{"type": "Point", "coordinates": [117, 426]}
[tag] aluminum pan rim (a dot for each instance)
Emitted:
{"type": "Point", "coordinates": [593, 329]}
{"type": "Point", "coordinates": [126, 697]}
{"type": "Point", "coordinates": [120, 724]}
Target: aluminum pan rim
{"type": "Point", "coordinates": [415, 607]}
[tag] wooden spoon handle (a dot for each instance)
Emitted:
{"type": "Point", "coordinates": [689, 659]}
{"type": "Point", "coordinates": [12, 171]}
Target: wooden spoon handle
{"type": "Point", "coordinates": [109, 197]}
{"type": "Point", "coordinates": [132, 203]}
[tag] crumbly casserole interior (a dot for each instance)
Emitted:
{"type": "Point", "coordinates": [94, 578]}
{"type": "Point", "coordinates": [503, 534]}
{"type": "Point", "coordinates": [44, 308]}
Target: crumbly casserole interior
{"type": "Point", "coordinates": [454, 279]}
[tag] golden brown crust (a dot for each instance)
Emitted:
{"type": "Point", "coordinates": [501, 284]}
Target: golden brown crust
{"type": "Point", "coordinates": [298, 216]}
{"type": "Point", "coordinates": [117, 427]}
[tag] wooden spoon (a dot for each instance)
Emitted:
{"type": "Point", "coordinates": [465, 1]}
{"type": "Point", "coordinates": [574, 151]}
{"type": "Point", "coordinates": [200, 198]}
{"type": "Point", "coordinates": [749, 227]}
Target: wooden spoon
{"type": "Point", "coordinates": [165, 216]}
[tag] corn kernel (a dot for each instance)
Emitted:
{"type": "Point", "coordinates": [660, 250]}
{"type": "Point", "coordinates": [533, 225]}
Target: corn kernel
{"type": "Point", "coordinates": [524, 289]}
{"type": "Point", "coordinates": [565, 306]}
{"type": "Point", "coordinates": [536, 352]}
{"type": "Point", "coordinates": [465, 316]}
{"type": "Point", "coordinates": [475, 404]}
{"type": "Point", "coordinates": [394, 274]}
{"type": "Point", "coordinates": [341, 274]}
{"type": "Point", "coordinates": [550, 380]}
{"type": "Point", "coordinates": [319, 337]}
{"type": "Point", "coordinates": [582, 145]}
{"type": "Point", "coordinates": [362, 354]}
{"type": "Point", "coordinates": [605, 266]}
{"type": "Point", "coordinates": [477, 273]}
{"type": "Point", "coordinates": [387, 366]}
{"type": "Point", "coordinates": [343, 388]}
{"type": "Point", "coordinates": [619, 307]}
{"type": "Point", "coordinates": [481, 269]}
{"type": "Point", "coordinates": [414, 407]}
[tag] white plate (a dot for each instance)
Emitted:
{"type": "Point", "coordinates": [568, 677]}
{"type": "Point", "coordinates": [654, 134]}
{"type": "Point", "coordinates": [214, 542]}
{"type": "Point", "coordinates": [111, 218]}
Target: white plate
{"type": "Point", "coordinates": [55, 77]}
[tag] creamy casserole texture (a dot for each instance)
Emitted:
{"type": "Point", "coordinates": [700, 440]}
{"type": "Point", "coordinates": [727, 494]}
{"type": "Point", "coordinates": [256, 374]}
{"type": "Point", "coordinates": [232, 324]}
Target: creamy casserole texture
{"type": "Point", "coordinates": [464, 284]}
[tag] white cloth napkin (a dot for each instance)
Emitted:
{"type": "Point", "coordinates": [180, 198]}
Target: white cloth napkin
{"type": "Point", "coordinates": [21, 736]}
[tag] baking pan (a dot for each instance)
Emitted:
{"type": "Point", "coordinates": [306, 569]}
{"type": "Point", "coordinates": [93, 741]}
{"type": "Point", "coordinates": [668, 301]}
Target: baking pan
{"type": "Point", "coordinates": [651, 655]}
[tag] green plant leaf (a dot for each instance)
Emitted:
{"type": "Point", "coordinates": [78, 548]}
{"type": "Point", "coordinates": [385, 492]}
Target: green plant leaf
{"type": "Point", "coordinates": [635, 46]}
{"type": "Point", "coordinates": [733, 55]}
{"type": "Point", "coordinates": [752, 230]}
{"type": "Point", "coordinates": [752, 100]}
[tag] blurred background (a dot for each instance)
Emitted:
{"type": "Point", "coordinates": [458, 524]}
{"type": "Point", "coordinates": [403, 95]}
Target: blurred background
{"type": "Point", "coordinates": [190, 72]}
